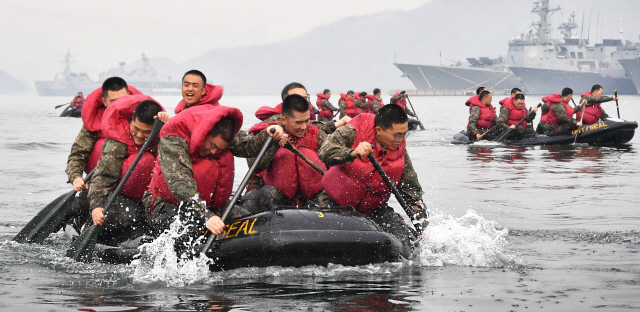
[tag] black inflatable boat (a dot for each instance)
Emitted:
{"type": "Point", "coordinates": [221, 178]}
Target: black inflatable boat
{"type": "Point", "coordinates": [285, 236]}
{"type": "Point", "coordinates": [607, 132]}
{"type": "Point", "coordinates": [71, 112]}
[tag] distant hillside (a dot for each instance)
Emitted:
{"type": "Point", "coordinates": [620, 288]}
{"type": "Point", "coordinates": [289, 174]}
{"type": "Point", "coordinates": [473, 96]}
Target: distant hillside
{"type": "Point", "coordinates": [357, 53]}
{"type": "Point", "coordinates": [9, 84]}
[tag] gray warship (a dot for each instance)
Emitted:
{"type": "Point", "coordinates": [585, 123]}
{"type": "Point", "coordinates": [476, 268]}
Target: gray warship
{"type": "Point", "coordinates": [66, 83]}
{"type": "Point", "coordinates": [535, 62]}
{"type": "Point", "coordinates": [546, 65]}
{"type": "Point", "coordinates": [144, 78]}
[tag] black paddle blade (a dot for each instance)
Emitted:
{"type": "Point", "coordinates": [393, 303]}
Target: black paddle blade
{"type": "Point", "coordinates": [82, 248]}
{"type": "Point", "coordinates": [46, 221]}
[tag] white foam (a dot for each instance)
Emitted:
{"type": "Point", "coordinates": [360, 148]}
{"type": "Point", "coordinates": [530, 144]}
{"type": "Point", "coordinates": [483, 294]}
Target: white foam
{"type": "Point", "coordinates": [469, 240]}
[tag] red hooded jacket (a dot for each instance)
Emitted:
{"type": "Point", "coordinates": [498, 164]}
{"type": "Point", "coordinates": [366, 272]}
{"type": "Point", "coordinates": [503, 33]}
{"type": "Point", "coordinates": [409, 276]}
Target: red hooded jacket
{"type": "Point", "coordinates": [212, 95]}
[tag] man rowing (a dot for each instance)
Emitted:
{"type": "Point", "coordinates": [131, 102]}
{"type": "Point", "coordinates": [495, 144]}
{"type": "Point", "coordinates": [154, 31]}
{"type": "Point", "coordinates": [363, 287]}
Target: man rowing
{"type": "Point", "coordinates": [401, 100]}
{"type": "Point", "coordinates": [559, 120]}
{"type": "Point", "coordinates": [352, 179]}
{"type": "Point", "coordinates": [512, 112]}
{"type": "Point", "coordinates": [325, 107]}
{"type": "Point", "coordinates": [594, 112]}
{"type": "Point", "coordinates": [482, 117]}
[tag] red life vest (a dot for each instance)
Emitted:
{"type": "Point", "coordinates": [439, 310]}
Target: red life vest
{"type": "Point", "coordinates": [367, 110]}
{"type": "Point", "coordinates": [591, 113]}
{"type": "Point", "coordinates": [213, 174]}
{"type": "Point", "coordinates": [78, 103]}
{"type": "Point", "coordinates": [351, 108]}
{"type": "Point", "coordinates": [402, 103]}
{"type": "Point", "coordinates": [371, 98]}
{"type": "Point", "coordinates": [324, 113]}
{"type": "Point", "coordinates": [115, 125]}
{"type": "Point", "coordinates": [551, 116]}
{"type": "Point", "coordinates": [487, 113]}
{"type": "Point", "coordinates": [468, 102]}
{"type": "Point", "coordinates": [515, 115]}
{"type": "Point", "coordinates": [265, 112]}
{"type": "Point", "coordinates": [212, 95]}
{"type": "Point", "coordinates": [92, 112]}
{"type": "Point", "coordinates": [506, 100]}
{"type": "Point", "coordinates": [358, 184]}
{"type": "Point", "coordinates": [288, 172]}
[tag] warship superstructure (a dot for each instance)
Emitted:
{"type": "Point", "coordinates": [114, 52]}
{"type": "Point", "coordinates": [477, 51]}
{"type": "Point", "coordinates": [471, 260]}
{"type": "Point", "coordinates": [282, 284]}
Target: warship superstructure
{"type": "Point", "coordinates": [66, 83]}
{"type": "Point", "coordinates": [535, 62]}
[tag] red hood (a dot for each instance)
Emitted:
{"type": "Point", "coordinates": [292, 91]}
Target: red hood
{"type": "Point", "coordinates": [553, 98]}
{"type": "Point", "coordinates": [194, 124]}
{"type": "Point", "coordinates": [212, 95]}
{"type": "Point", "coordinates": [343, 97]}
{"type": "Point", "coordinates": [322, 96]}
{"type": "Point", "coordinates": [475, 101]}
{"type": "Point", "coordinates": [585, 94]}
{"type": "Point", "coordinates": [265, 112]}
{"type": "Point", "coordinates": [257, 128]}
{"type": "Point", "coordinates": [115, 121]}
{"type": "Point", "coordinates": [93, 108]}
{"type": "Point", "coordinates": [506, 100]}
{"type": "Point", "coordinates": [475, 97]}
{"type": "Point", "coordinates": [371, 97]}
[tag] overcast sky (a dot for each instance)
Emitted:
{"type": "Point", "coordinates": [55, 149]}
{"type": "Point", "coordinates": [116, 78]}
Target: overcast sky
{"type": "Point", "coordinates": [121, 30]}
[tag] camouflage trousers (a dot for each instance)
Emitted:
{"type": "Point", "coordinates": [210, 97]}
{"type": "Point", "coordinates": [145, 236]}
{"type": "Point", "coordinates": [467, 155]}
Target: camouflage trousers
{"type": "Point", "coordinates": [264, 198]}
{"type": "Point", "coordinates": [520, 132]}
{"type": "Point", "coordinates": [551, 130]}
{"type": "Point", "coordinates": [125, 219]}
{"type": "Point", "coordinates": [384, 217]}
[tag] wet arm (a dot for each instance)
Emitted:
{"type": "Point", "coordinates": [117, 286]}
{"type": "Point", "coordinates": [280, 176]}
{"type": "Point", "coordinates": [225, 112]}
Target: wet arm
{"type": "Point", "coordinates": [80, 150]}
{"type": "Point", "coordinates": [336, 149]}
{"type": "Point", "coordinates": [504, 116]}
{"type": "Point", "coordinates": [360, 104]}
{"type": "Point", "coordinates": [474, 116]}
{"type": "Point", "coordinates": [327, 105]}
{"type": "Point", "coordinates": [558, 108]}
{"type": "Point", "coordinates": [343, 108]}
{"type": "Point", "coordinates": [410, 188]}
{"type": "Point", "coordinates": [375, 106]}
{"type": "Point", "coordinates": [247, 146]}
{"type": "Point", "coordinates": [175, 162]}
{"type": "Point", "coordinates": [107, 172]}
{"type": "Point", "coordinates": [394, 99]}
{"type": "Point", "coordinates": [409, 112]}
{"type": "Point", "coordinates": [591, 100]}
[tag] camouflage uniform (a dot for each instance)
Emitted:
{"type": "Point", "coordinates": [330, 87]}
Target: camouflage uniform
{"type": "Point", "coordinates": [80, 150]}
{"type": "Point", "coordinates": [375, 105]}
{"type": "Point", "coordinates": [565, 126]}
{"type": "Point", "coordinates": [342, 104]}
{"type": "Point", "coordinates": [269, 195]}
{"type": "Point", "coordinates": [395, 98]}
{"type": "Point", "coordinates": [175, 161]}
{"type": "Point", "coordinates": [591, 100]}
{"type": "Point", "coordinates": [328, 106]}
{"type": "Point", "coordinates": [520, 131]}
{"type": "Point", "coordinates": [337, 150]}
{"type": "Point", "coordinates": [544, 109]}
{"type": "Point", "coordinates": [472, 128]}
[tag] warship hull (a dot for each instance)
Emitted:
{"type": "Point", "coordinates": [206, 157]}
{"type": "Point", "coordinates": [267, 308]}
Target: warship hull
{"type": "Point", "coordinates": [632, 69]}
{"type": "Point", "coordinates": [549, 81]}
{"type": "Point", "coordinates": [454, 80]}
{"type": "Point", "coordinates": [47, 88]}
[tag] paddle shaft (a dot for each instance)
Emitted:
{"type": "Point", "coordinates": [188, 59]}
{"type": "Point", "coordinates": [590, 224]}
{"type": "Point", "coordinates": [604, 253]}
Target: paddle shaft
{"type": "Point", "coordinates": [482, 135]}
{"type": "Point", "coordinates": [414, 112]}
{"type": "Point", "coordinates": [615, 93]}
{"type": "Point", "coordinates": [242, 185]}
{"type": "Point", "coordinates": [393, 189]}
{"type": "Point", "coordinates": [84, 249]}
{"type": "Point", "coordinates": [504, 135]}
{"type": "Point", "coordinates": [581, 118]}
{"type": "Point", "coordinates": [292, 148]}
{"type": "Point", "coordinates": [58, 106]}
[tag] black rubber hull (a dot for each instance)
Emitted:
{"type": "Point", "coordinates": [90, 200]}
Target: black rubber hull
{"type": "Point", "coordinates": [287, 237]}
{"type": "Point", "coordinates": [608, 132]}
{"type": "Point", "coordinates": [71, 112]}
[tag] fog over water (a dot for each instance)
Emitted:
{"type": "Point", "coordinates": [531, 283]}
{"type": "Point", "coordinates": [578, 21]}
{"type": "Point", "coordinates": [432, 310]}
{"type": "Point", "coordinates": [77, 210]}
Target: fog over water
{"type": "Point", "coordinates": [512, 229]}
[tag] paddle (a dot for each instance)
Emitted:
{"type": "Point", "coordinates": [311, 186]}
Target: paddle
{"type": "Point", "coordinates": [292, 148]}
{"type": "Point", "coordinates": [414, 112]}
{"type": "Point", "coordinates": [82, 248]}
{"type": "Point", "coordinates": [394, 190]}
{"type": "Point", "coordinates": [482, 135]}
{"type": "Point", "coordinates": [581, 118]}
{"type": "Point", "coordinates": [48, 219]}
{"type": "Point", "coordinates": [503, 135]}
{"type": "Point", "coordinates": [58, 106]}
{"type": "Point", "coordinates": [615, 93]}
{"type": "Point", "coordinates": [241, 187]}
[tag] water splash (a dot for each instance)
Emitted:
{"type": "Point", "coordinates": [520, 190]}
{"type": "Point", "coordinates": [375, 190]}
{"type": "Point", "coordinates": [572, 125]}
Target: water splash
{"type": "Point", "coordinates": [469, 240]}
{"type": "Point", "coordinates": [159, 263]}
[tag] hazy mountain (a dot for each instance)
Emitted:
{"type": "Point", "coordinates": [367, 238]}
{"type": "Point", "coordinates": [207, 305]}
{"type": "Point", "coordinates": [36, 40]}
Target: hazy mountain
{"type": "Point", "coordinates": [357, 53]}
{"type": "Point", "coordinates": [9, 84]}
